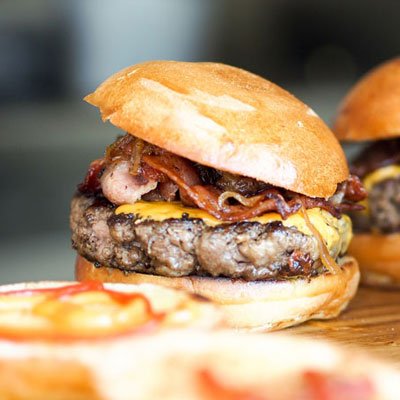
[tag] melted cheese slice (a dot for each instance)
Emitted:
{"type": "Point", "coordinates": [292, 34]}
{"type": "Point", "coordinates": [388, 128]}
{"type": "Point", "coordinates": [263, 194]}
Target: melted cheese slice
{"type": "Point", "coordinates": [336, 233]}
{"type": "Point", "coordinates": [381, 174]}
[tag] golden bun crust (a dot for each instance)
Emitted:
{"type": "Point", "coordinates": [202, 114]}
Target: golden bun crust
{"type": "Point", "coordinates": [370, 111]}
{"type": "Point", "coordinates": [379, 258]}
{"type": "Point", "coordinates": [226, 118]}
{"type": "Point", "coordinates": [253, 306]}
{"type": "Point", "coordinates": [271, 366]}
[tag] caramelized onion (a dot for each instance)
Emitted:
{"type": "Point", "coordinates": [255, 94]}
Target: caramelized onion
{"type": "Point", "coordinates": [327, 260]}
{"type": "Point", "coordinates": [245, 201]}
{"type": "Point", "coordinates": [206, 197]}
{"type": "Point", "coordinates": [120, 149]}
{"type": "Point", "coordinates": [176, 174]}
{"type": "Point", "coordinates": [136, 157]}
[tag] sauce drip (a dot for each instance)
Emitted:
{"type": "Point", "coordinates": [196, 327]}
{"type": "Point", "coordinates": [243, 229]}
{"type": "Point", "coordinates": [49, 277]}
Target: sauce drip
{"type": "Point", "coordinates": [85, 310]}
{"type": "Point", "coordinates": [85, 286]}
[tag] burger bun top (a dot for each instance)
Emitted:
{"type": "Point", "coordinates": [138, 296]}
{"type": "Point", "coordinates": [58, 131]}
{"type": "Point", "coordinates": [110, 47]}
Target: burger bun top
{"type": "Point", "coordinates": [225, 118]}
{"type": "Point", "coordinates": [370, 111]}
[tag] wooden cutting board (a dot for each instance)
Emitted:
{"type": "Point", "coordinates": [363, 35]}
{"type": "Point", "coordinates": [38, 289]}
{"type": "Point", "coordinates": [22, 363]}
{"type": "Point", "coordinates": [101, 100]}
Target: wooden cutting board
{"type": "Point", "coordinates": [372, 321]}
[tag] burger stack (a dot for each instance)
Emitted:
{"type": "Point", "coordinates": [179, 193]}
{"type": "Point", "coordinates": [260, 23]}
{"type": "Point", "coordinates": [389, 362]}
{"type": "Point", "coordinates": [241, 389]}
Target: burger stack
{"type": "Point", "coordinates": [224, 184]}
{"type": "Point", "coordinates": [222, 207]}
{"type": "Point", "coordinates": [369, 116]}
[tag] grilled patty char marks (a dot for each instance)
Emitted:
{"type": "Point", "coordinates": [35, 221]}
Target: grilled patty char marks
{"type": "Point", "coordinates": [181, 247]}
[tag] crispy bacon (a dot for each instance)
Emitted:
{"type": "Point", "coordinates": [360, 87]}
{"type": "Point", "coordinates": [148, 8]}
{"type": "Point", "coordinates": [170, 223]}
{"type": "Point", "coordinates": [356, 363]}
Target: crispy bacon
{"type": "Point", "coordinates": [121, 187]}
{"type": "Point", "coordinates": [354, 189]}
{"type": "Point", "coordinates": [150, 174]}
{"type": "Point", "coordinates": [168, 190]}
{"type": "Point", "coordinates": [177, 175]}
{"type": "Point", "coordinates": [91, 183]}
{"type": "Point", "coordinates": [206, 197]}
{"type": "Point", "coordinates": [336, 209]}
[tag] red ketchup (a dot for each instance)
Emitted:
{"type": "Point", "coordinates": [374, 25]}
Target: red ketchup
{"type": "Point", "coordinates": [63, 294]}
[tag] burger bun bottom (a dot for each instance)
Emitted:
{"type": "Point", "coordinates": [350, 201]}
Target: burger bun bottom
{"type": "Point", "coordinates": [253, 306]}
{"type": "Point", "coordinates": [379, 258]}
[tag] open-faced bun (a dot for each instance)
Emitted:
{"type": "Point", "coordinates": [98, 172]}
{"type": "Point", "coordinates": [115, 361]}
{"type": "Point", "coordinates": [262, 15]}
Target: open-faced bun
{"type": "Point", "coordinates": [379, 258]}
{"type": "Point", "coordinates": [258, 305]}
{"type": "Point", "coordinates": [370, 111]}
{"type": "Point", "coordinates": [226, 118]}
{"type": "Point", "coordinates": [176, 365]}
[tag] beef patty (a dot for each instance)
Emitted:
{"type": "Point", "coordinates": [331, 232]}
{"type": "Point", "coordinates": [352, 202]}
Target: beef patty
{"type": "Point", "coordinates": [181, 247]}
{"type": "Point", "coordinates": [384, 205]}
{"type": "Point", "coordinates": [383, 214]}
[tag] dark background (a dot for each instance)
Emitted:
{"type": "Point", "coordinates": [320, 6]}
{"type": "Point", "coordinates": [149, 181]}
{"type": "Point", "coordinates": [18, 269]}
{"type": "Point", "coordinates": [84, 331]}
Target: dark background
{"type": "Point", "coordinates": [52, 53]}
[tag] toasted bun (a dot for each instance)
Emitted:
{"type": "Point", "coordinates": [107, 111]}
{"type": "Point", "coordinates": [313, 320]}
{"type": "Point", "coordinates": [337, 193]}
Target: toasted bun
{"type": "Point", "coordinates": [370, 111]}
{"type": "Point", "coordinates": [226, 118]}
{"type": "Point", "coordinates": [254, 306]}
{"type": "Point", "coordinates": [171, 365]}
{"type": "Point", "coordinates": [379, 258]}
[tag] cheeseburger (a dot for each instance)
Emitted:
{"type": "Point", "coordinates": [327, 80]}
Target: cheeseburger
{"type": "Point", "coordinates": [369, 114]}
{"type": "Point", "coordinates": [225, 185]}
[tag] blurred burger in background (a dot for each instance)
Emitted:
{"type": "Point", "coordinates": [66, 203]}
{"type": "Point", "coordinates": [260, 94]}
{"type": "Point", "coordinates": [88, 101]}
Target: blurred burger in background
{"type": "Point", "coordinates": [370, 113]}
{"type": "Point", "coordinates": [224, 185]}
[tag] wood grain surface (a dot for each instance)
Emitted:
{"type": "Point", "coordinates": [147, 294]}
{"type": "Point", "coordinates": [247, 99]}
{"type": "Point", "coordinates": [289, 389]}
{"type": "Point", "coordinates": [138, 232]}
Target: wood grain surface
{"type": "Point", "coordinates": [372, 322]}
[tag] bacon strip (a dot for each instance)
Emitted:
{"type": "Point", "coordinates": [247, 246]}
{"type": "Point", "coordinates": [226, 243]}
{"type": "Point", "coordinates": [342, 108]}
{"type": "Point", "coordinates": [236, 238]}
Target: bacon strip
{"type": "Point", "coordinates": [335, 209]}
{"type": "Point", "coordinates": [176, 174]}
{"type": "Point", "coordinates": [206, 197]}
{"type": "Point", "coordinates": [91, 183]}
{"type": "Point", "coordinates": [354, 189]}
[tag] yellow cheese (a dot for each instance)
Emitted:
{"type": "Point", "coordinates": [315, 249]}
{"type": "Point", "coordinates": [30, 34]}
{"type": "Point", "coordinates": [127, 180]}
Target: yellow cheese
{"type": "Point", "coordinates": [381, 174]}
{"type": "Point", "coordinates": [335, 232]}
